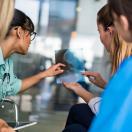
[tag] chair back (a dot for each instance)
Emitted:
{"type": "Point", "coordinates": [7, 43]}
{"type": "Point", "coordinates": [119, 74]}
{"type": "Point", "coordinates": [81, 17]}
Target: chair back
{"type": "Point", "coordinates": [8, 110]}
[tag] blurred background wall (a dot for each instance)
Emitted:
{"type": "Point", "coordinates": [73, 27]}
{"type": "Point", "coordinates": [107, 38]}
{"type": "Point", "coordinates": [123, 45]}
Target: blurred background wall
{"type": "Point", "coordinates": [60, 24]}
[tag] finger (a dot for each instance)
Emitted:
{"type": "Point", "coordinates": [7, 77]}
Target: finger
{"type": "Point", "coordinates": [65, 84]}
{"type": "Point", "coordinates": [94, 74]}
{"type": "Point", "coordinates": [88, 73]}
{"type": "Point", "coordinates": [91, 79]}
{"type": "Point", "coordinates": [58, 68]}
{"type": "Point", "coordinates": [68, 83]}
{"type": "Point", "coordinates": [60, 64]}
{"type": "Point", "coordinates": [11, 130]}
{"type": "Point", "coordinates": [59, 72]}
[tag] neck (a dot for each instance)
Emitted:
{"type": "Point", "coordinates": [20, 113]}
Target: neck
{"type": "Point", "coordinates": [7, 47]}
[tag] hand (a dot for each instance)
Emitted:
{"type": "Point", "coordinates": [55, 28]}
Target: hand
{"type": "Point", "coordinates": [95, 78]}
{"type": "Point", "coordinates": [72, 86]}
{"type": "Point", "coordinates": [79, 90]}
{"type": "Point", "coordinates": [4, 127]}
{"type": "Point", "coordinates": [54, 70]}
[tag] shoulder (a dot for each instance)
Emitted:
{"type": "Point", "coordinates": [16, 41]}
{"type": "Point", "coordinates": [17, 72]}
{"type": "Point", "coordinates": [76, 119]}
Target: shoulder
{"type": "Point", "coordinates": [127, 62]}
{"type": "Point", "coordinates": [125, 67]}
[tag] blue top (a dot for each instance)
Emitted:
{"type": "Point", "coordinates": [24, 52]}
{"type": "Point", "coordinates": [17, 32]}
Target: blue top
{"type": "Point", "coordinates": [9, 83]}
{"type": "Point", "coordinates": [115, 113]}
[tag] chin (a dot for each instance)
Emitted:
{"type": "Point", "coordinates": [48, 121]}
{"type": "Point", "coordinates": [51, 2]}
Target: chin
{"type": "Point", "coordinates": [127, 37]}
{"type": "Point", "coordinates": [22, 52]}
{"type": "Point", "coordinates": [128, 40]}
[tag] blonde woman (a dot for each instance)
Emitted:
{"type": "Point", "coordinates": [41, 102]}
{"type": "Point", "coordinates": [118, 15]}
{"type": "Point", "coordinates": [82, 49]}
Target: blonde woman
{"type": "Point", "coordinates": [115, 111]}
{"type": "Point", "coordinates": [118, 49]}
{"type": "Point", "coordinates": [6, 13]}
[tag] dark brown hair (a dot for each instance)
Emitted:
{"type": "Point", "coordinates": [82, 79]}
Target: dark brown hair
{"type": "Point", "coordinates": [21, 19]}
{"type": "Point", "coordinates": [104, 17]}
{"type": "Point", "coordinates": [122, 7]}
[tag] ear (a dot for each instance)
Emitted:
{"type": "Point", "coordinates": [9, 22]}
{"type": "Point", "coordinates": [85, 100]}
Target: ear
{"type": "Point", "coordinates": [19, 32]}
{"type": "Point", "coordinates": [111, 30]}
{"type": "Point", "coordinates": [124, 22]}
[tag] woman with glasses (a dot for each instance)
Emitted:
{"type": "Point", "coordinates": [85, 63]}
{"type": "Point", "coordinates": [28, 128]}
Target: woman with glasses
{"type": "Point", "coordinates": [19, 36]}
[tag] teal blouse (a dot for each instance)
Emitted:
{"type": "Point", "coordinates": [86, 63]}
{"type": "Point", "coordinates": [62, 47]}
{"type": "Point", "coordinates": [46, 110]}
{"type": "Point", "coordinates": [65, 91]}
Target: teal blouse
{"type": "Point", "coordinates": [9, 83]}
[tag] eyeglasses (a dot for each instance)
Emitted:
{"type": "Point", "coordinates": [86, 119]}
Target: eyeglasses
{"type": "Point", "coordinates": [33, 35]}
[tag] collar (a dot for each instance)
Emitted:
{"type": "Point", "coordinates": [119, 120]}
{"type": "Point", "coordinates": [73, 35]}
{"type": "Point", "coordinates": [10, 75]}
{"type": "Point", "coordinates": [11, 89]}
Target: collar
{"type": "Point", "coordinates": [1, 57]}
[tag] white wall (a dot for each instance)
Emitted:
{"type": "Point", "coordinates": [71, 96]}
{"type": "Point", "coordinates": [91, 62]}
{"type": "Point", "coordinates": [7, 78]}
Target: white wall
{"type": "Point", "coordinates": [87, 17]}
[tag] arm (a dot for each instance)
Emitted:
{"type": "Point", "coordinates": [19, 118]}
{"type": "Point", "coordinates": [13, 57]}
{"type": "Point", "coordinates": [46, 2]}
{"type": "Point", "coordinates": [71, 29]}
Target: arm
{"type": "Point", "coordinates": [96, 78]}
{"type": "Point", "coordinates": [93, 102]}
{"type": "Point", "coordinates": [52, 71]}
{"type": "Point", "coordinates": [79, 90]}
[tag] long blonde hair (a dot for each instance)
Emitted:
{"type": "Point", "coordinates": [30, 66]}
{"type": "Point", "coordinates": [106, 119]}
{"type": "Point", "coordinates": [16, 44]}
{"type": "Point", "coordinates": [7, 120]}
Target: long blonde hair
{"type": "Point", "coordinates": [119, 51]}
{"type": "Point", "coordinates": [6, 14]}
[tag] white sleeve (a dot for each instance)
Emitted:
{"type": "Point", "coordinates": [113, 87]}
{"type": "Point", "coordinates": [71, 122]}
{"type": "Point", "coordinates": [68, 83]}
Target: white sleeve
{"type": "Point", "coordinates": [94, 104]}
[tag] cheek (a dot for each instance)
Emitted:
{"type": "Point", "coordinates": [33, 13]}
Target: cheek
{"type": "Point", "coordinates": [102, 38]}
{"type": "Point", "coordinates": [27, 40]}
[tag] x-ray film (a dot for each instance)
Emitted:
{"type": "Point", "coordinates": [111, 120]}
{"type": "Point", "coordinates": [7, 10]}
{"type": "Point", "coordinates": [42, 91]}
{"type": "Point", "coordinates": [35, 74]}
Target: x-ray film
{"type": "Point", "coordinates": [73, 59]}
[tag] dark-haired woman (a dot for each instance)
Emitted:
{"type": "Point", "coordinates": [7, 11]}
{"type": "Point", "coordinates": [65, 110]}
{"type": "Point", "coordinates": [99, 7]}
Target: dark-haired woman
{"type": "Point", "coordinates": [19, 37]}
{"type": "Point", "coordinates": [121, 10]}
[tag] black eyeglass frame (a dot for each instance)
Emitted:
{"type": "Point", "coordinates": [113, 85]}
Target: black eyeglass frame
{"type": "Point", "coordinates": [31, 34]}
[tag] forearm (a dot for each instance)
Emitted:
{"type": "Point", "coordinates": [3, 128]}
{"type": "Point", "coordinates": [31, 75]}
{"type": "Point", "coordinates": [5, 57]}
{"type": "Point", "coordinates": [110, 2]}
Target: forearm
{"type": "Point", "coordinates": [103, 84]}
{"type": "Point", "coordinates": [52, 71]}
{"type": "Point", "coordinates": [30, 81]}
{"type": "Point", "coordinates": [84, 94]}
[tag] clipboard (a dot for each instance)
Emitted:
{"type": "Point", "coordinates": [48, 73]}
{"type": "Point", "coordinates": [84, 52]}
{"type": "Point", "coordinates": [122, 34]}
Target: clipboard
{"type": "Point", "coordinates": [21, 125]}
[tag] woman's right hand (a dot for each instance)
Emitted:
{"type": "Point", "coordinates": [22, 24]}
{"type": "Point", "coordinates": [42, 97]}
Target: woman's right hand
{"type": "Point", "coordinates": [53, 70]}
{"type": "Point", "coordinates": [95, 78]}
{"type": "Point", "coordinates": [4, 127]}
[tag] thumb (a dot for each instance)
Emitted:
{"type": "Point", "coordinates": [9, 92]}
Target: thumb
{"type": "Point", "coordinates": [91, 79]}
{"type": "Point", "coordinates": [59, 71]}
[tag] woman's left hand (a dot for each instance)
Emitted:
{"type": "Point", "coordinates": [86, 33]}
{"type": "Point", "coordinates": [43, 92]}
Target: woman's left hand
{"type": "Point", "coordinates": [54, 70]}
{"type": "Point", "coordinates": [72, 86]}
